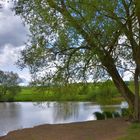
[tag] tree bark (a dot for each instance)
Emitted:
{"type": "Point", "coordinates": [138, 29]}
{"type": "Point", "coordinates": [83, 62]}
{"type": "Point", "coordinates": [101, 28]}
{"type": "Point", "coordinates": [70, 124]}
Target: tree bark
{"type": "Point", "coordinates": [108, 62]}
{"type": "Point", "coordinates": [136, 105]}
{"type": "Point", "coordinates": [136, 57]}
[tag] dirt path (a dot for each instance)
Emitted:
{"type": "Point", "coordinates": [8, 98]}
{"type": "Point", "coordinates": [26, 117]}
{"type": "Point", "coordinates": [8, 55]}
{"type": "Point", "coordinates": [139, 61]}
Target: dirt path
{"type": "Point", "coordinates": [93, 130]}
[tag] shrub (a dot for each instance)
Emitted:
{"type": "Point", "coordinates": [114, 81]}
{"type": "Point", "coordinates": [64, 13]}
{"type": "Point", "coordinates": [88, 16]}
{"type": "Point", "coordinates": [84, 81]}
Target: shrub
{"type": "Point", "coordinates": [99, 116]}
{"type": "Point", "coordinates": [126, 112]}
{"type": "Point", "coordinates": [115, 114]}
{"type": "Point", "coordinates": [107, 114]}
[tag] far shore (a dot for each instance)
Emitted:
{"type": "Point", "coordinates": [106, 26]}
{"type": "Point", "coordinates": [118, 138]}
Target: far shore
{"type": "Point", "coordinates": [110, 129]}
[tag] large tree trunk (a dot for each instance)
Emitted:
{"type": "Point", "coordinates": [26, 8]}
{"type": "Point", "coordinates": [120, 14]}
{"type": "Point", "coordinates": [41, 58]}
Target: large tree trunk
{"type": "Point", "coordinates": [136, 57]}
{"type": "Point", "coordinates": [122, 87]}
{"type": "Point", "coordinates": [136, 105]}
{"type": "Point", "coordinates": [108, 62]}
{"type": "Point", "coordinates": [132, 99]}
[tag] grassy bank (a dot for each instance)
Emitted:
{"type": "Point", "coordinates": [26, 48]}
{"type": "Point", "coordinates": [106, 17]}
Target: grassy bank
{"type": "Point", "coordinates": [133, 132]}
{"type": "Point", "coordinates": [32, 94]}
{"type": "Point", "coordinates": [100, 92]}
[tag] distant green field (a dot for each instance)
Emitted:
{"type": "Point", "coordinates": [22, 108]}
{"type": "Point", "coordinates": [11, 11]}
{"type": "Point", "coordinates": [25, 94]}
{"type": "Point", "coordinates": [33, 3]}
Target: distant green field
{"type": "Point", "coordinates": [31, 94]}
{"type": "Point", "coordinates": [102, 93]}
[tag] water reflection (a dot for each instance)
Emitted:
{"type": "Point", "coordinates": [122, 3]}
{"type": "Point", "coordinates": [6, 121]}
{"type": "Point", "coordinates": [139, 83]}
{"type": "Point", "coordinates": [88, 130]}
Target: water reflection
{"type": "Point", "coordinates": [8, 113]}
{"type": "Point", "coordinates": [20, 115]}
{"type": "Point", "coordinates": [62, 112]}
{"type": "Point", "coordinates": [113, 108]}
{"type": "Point", "coordinates": [66, 110]}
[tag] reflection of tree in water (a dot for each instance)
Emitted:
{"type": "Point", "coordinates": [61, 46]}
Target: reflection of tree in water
{"type": "Point", "coordinates": [43, 105]}
{"type": "Point", "coordinates": [111, 108]}
{"type": "Point", "coordinates": [61, 110]}
{"type": "Point", "coordinates": [66, 110]}
{"type": "Point", "coordinates": [9, 113]}
{"type": "Point", "coordinates": [11, 109]}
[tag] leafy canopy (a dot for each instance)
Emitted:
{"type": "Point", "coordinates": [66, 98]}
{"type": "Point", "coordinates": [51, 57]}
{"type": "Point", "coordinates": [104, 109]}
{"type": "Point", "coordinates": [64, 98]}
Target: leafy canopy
{"type": "Point", "coordinates": [81, 40]}
{"type": "Point", "coordinates": [70, 39]}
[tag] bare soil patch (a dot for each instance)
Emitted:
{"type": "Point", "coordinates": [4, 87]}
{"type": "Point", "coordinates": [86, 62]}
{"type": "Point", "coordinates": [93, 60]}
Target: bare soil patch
{"type": "Point", "coordinates": [92, 130]}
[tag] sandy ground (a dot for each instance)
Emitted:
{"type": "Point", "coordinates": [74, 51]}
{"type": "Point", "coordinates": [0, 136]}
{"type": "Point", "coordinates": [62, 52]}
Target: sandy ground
{"type": "Point", "coordinates": [92, 130]}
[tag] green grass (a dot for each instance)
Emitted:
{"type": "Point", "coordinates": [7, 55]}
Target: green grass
{"type": "Point", "coordinates": [31, 94]}
{"type": "Point", "coordinates": [133, 132]}
{"type": "Point", "coordinates": [28, 94]}
{"type": "Point", "coordinates": [103, 93]}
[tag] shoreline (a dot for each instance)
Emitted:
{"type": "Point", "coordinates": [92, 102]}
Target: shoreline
{"type": "Point", "coordinates": [110, 129]}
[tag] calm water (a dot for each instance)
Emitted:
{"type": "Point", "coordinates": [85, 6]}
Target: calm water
{"type": "Point", "coordinates": [20, 115]}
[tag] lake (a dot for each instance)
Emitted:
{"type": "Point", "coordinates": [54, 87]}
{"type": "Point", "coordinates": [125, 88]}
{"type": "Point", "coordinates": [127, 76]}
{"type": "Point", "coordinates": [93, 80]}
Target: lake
{"type": "Point", "coordinates": [18, 115]}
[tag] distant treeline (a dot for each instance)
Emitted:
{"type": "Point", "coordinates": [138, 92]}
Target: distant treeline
{"type": "Point", "coordinates": [101, 92]}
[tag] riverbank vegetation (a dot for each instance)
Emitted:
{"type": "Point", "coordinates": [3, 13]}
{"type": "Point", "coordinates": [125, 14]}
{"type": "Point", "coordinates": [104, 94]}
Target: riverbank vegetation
{"type": "Point", "coordinates": [132, 132]}
{"type": "Point", "coordinates": [101, 92]}
{"type": "Point", "coordinates": [9, 85]}
{"type": "Point", "coordinates": [72, 92]}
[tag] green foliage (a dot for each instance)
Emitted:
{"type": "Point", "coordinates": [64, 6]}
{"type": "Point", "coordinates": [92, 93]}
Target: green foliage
{"type": "Point", "coordinates": [108, 114]}
{"type": "Point", "coordinates": [82, 36]}
{"type": "Point", "coordinates": [11, 93]}
{"type": "Point", "coordinates": [9, 85]}
{"type": "Point", "coordinates": [99, 116]}
{"type": "Point", "coordinates": [80, 40]}
{"type": "Point", "coordinates": [133, 132]}
{"type": "Point", "coordinates": [116, 114]}
{"type": "Point", "coordinates": [72, 92]}
{"type": "Point", "coordinates": [127, 112]}
{"type": "Point", "coordinates": [106, 92]}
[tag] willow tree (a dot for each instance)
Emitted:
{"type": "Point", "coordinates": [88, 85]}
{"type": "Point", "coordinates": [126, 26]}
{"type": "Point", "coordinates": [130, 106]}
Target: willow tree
{"type": "Point", "coordinates": [83, 39]}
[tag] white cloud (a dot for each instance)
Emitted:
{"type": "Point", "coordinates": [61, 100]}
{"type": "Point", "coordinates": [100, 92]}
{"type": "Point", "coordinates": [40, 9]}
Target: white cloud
{"type": "Point", "coordinates": [13, 35]}
{"type": "Point", "coordinates": [12, 30]}
{"type": "Point", "coordinates": [127, 76]}
{"type": "Point", "coordinates": [8, 58]}
{"type": "Point", "coordinates": [8, 55]}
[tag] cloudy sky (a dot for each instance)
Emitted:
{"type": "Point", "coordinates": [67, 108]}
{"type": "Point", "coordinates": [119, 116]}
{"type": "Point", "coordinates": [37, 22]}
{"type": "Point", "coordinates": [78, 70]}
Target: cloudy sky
{"type": "Point", "coordinates": [13, 35]}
